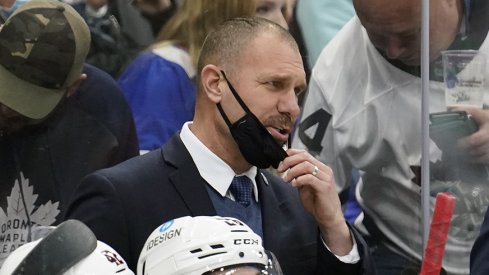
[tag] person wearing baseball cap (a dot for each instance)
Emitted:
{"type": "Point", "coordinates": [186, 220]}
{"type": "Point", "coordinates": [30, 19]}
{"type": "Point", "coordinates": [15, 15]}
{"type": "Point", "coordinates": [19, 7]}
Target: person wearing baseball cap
{"type": "Point", "coordinates": [60, 119]}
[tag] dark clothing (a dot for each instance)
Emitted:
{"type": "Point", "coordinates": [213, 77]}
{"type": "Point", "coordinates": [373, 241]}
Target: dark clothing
{"type": "Point", "coordinates": [480, 251]}
{"type": "Point", "coordinates": [125, 203]}
{"type": "Point", "coordinates": [41, 165]}
{"type": "Point", "coordinates": [225, 207]}
{"type": "Point", "coordinates": [110, 48]}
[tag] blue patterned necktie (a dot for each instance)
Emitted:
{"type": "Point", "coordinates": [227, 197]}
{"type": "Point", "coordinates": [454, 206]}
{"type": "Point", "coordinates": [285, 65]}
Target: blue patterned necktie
{"type": "Point", "coordinates": [242, 190]}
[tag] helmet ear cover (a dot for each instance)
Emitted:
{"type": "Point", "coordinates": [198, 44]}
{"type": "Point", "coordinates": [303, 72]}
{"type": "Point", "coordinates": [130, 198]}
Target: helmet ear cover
{"type": "Point", "coordinates": [65, 246]}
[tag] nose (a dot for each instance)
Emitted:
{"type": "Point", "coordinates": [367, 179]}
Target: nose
{"type": "Point", "coordinates": [394, 48]}
{"type": "Point", "coordinates": [289, 104]}
{"type": "Point", "coordinates": [280, 19]}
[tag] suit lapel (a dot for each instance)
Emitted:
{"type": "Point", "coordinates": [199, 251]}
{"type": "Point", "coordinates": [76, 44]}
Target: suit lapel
{"type": "Point", "coordinates": [270, 211]}
{"type": "Point", "coordinates": [187, 181]}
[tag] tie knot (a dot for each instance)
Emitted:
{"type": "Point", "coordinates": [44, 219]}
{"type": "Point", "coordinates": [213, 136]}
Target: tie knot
{"type": "Point", "coordinates": [242, 190]}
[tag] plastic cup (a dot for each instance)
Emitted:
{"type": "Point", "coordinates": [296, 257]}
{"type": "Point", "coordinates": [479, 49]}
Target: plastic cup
{"type": "Point", "coordinates": [464, 76]}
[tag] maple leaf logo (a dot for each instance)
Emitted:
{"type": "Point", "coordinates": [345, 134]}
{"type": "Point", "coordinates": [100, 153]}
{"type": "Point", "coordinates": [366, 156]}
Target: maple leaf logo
{"type": "Point", "coordinates": [44, 215]}
{"type": "Point", "coordinates": [14, 223]}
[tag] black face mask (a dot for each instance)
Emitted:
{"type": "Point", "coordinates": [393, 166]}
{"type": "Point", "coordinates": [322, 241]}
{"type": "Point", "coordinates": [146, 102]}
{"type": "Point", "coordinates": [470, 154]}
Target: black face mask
{"type": "Point", "coordinates": [256, 144]}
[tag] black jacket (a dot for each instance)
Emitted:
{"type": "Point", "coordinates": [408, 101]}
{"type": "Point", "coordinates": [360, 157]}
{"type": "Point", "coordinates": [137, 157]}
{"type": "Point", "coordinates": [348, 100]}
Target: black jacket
{"type": "Point", "coordinates": [125, 203]}
{"type": "Point", "coordinates": [92, 130]}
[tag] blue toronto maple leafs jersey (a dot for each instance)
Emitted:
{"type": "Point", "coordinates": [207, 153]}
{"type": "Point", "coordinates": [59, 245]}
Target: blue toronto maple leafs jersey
{"type": "Point", "coordinates": [161, 93]}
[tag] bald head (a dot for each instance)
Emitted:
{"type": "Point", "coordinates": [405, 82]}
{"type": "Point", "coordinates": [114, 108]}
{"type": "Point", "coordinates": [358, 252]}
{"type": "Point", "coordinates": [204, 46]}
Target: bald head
{"type": "Point", "coordinates": [394, 26]}
{"type": "Point", "coordinates": [380, 11]}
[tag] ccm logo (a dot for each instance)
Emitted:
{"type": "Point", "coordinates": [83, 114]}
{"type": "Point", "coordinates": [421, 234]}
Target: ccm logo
{"type": "Point", "coordinates": [246, 241]}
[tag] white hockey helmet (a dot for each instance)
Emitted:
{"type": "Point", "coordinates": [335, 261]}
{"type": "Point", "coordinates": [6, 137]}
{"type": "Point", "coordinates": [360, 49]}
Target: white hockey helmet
{"type": "Point", "coordinates": [68, 250]}
{"type": "Point", "coordinates": [198, 245]}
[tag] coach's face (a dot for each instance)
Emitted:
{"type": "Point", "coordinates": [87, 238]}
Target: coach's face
{"type": "Point", "coordinates": [271, 75]}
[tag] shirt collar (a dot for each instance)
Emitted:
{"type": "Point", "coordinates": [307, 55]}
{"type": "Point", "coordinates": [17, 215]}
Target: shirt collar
{"type": "Point", "coordinates": [217, 173]}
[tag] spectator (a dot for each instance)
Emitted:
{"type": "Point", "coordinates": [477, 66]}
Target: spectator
{"type": "Point", "coordinates": [235, 132]}
{"type": "Point", "coordinates": [273, 10]}
{"type": "Point", "coordinates": [119, 32]}
{"type": "Point", "coordinates": [133, 25]}
{"type": "Point", "coordinates": [59, 119]}
{"type": "Point", "coordinates": [363, 110]}
{"type": "Point", "coordinates": [109, 48]}
{"type": "Point", "coordinates": [156, 12]}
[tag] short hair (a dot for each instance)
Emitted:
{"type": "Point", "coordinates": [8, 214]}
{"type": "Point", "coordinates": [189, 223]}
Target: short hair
{"type": "Point", "coordinates": [224, 45]}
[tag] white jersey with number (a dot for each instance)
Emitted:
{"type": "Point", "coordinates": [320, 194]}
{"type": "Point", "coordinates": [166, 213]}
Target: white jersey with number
{"type": "Point", "coordinates": [375, 126]}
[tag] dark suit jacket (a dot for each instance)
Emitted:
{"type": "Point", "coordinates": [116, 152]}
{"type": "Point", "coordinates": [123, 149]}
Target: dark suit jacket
{"type": "Point", "coordinates": [125, 203]}
{"type": "Point", "coordinates": [480, 251]}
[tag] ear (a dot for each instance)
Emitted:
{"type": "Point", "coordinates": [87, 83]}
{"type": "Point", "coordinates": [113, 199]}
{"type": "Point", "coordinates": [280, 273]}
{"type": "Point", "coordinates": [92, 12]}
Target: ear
{"type": "Point", "coordinates": [211, 78]}
{"type": "Point", "coordinates": [73, 88]}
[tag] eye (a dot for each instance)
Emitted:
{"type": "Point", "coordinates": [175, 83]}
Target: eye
{"type": "Point", "coordinates": [275, 84]}
{"type": "Point", "coordinates": [264, 8]}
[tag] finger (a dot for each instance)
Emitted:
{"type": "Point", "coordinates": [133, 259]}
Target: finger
{"type": "Point", "coordinates": [298, 170]}
{"type": "Point", "coordinates": [305, 180]}
{"type": "Point", "coordinates": [317, 184]}
{"type": "Point", "coordinates": [478, 115]}
{"type": "Point", "coordinates": [479, 156]}
{"type": "Point", "coordinates": [477, 139]}
{"type": "Point", "coordinates": [315, 171]}
{"type": "Point", "coordinates": [475, 154]}
{"type": "Point", "coordinates": [295, 157]}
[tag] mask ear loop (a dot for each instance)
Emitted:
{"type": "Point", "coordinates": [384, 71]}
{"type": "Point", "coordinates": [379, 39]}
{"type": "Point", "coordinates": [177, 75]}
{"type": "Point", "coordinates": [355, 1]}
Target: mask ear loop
{"type": "Point", "coordinates": [236, 96]}
{"type": "Point", "coordinates": [282, 152]}
{"type": "Point", "coordinates": [224, 116]}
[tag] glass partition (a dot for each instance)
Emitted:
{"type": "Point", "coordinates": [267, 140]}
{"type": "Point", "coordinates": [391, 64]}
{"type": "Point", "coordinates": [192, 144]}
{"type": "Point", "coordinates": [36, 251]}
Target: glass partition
{"type": "Point", "coordinates": [379, 115]}
{"type": "Point", "coordinates": [457, 117]}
